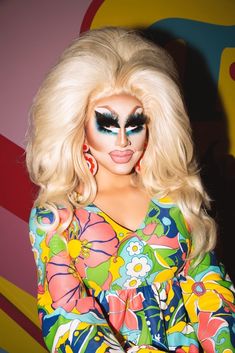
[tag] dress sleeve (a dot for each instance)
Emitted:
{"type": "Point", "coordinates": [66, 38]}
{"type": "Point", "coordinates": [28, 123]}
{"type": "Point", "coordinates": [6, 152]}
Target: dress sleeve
{"type": "Point", "coordinates": [71, 319]}
{"type": "Point", "coordinates": [209, 299]}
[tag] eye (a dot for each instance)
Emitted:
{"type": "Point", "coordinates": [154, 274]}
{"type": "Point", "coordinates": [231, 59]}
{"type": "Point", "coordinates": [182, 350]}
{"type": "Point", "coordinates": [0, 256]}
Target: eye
{"type": "Point", "coordinates": [109, 129]}
{"type": "Point", "coordinates": [135, 123]}
{"type": "Point", "coordinates": [107, 122]}
{"type": "Point", "coordinates": [134, 129]}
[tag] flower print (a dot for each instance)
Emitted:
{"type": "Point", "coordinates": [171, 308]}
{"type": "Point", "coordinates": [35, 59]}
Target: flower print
{"type": "Point", "coordinates": [160, 295]}
{"type": "Point", "coordinates": [95, 241]}
{"type": "Point", "coordinates": [191, 349]}
{"type": "Point", "coordinates": [204, 295]}
{"type": "Point", "coordinates": [32, 238]}
{"type": "Point", "coordinates": [208, 328]}
{"type": "Point", "coordinates": [144, 349]}
{"type": "Point", "coordinates": [65, 286]}
{"type": "Point", "coordinates": [133, 282]}
{"type": "Point", "coordinates": [122, 307]}
{"type": "Point", "coordinates": [35, 254]}
{"type": "Point", "coordinates": [138, 267]}
{"type": "Point", "coordinates": [134, 248]}
{"type": "Point", "coordinates": [166, 221]}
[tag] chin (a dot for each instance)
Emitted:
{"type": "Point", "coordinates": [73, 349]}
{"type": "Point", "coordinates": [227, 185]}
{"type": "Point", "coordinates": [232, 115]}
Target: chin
{"type": "Point", "coordinates": [122, 170]}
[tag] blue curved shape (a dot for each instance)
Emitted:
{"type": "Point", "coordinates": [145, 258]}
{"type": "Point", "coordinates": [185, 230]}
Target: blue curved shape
{"type": "Point", "coordinates": [208, 39]}
{"type": "Point", "coordinates": [205, 43]}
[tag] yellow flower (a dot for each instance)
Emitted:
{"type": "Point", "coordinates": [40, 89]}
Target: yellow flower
{"type": "Point", "coordinates": [45, 251]}
{"type": "Point", "coordinates": [204, 295]}
{"type": "Point", "coordinates": [102, 348]}
{"type": "Point", "coordinates": [45, 301]}
{"type": "Point", "coordinates": [115, 264]}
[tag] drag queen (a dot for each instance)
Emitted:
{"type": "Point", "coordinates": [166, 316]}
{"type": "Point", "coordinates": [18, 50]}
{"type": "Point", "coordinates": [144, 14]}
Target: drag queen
{"type": "Point", "coordinates": [120, 234]}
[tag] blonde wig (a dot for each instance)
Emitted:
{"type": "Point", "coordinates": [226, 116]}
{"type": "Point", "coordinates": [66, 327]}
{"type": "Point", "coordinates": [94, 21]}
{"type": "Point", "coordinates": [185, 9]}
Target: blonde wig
{"type": "Point", "coordinates": [100, 63]}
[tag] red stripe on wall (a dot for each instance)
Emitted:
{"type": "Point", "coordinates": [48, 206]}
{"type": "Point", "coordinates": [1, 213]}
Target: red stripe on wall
{"type": "Point", "coordinates": [14, 313]}
{"type": "Point", "coordinates": [89, 15]}
{"type": "Point", "coordinates": [17, 191]}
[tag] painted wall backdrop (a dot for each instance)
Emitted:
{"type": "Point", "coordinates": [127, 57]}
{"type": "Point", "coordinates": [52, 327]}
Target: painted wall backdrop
{"type": "Point", "coordinates": [201, 37]}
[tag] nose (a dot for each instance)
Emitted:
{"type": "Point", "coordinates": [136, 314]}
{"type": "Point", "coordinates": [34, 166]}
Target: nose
{"type": "Point", "coordinates": [122, 138]}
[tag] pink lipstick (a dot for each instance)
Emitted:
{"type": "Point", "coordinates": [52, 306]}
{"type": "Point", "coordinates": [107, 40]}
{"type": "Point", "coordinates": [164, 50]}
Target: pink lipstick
{"type": "Point", "coordinates": [121, 156]}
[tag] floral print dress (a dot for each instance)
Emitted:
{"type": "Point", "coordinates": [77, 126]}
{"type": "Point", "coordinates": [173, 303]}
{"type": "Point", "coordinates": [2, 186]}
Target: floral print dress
{"type": "Point", "coordinates": [104, 288]}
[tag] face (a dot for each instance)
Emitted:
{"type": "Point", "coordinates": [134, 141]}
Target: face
{"type": "Point", "coordinates": [116, 133]}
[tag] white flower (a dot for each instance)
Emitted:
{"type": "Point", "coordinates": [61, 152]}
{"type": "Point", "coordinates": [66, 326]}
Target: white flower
{"type": "Point", "coordinates": [134, 248]}
{"type": "Point", "coordinates": [133, 282]}
{"type": "Point", "coordinates": [158, 337]}
{"type": "Point", "coordinates": [138, 267]}
{"type": "Point", "coordinates": [160, 295]}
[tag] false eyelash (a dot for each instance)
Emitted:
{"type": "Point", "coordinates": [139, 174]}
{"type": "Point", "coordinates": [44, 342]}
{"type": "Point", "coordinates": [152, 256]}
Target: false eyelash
{"type": "Point", "coordinates": [107, 131]}
{"type": "Point", "coordinates": [106, 120]}
{"type": "Point", "coordinates": [136, 120]}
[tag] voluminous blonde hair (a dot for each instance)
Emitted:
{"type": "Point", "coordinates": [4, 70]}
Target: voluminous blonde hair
{"type": "Point", "coordinates": [101, 63]}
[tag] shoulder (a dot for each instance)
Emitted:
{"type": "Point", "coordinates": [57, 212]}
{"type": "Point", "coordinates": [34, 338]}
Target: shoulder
{"type": "Point", "coordinates": [48, 218]}
{"type": "Point", "coordinates": [171, 212]}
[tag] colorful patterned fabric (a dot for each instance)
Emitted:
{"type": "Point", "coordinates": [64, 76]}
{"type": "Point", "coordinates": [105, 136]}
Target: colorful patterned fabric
{"type": "Point", "coordinates": [104, 288]}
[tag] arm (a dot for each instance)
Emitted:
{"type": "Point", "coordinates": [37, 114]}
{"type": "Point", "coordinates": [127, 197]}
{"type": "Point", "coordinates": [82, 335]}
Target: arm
{"type": "Point", "coordinates": [71, 319]}
{"type": "Point", "coordinates": [209, 299]}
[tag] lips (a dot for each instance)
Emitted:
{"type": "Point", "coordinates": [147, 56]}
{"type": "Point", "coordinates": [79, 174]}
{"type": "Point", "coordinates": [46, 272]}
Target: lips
{"type": "Point", "coordinates": [121, 156]}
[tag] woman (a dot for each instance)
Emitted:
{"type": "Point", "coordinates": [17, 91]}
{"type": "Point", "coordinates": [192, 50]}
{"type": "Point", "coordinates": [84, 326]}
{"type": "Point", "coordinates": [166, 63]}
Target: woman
{"type": "Point", "coordinates": [120, 234]}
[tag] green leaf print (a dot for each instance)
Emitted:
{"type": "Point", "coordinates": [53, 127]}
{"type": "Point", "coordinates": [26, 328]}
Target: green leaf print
{"type": "Point", "coordinates": [147, 250]}
{"type": "Point", "coordinates": [178, 217]}
{"type": "Point", "coordinates": [88, 338]}
{"type": "Point", "coordinates": [222, 341]}
{"type": "Point", "coordinates": [49, 339]}
{"type": "Point", "coordinates": [145, 337]}
{"type": "Point", "coordinates": [99, 274]}
{"type": "Point", "coordinates": [165, 254]}
{"type": "Point", "coordinates": [40, 232]}
{"type": "Point", "coordinates": [56, 245]}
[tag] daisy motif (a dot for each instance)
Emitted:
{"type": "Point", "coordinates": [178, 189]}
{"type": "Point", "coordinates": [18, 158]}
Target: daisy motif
{"type": "Point", "coordinates": [138, 267]}
{"type": "Point", "coordinates": [134, 248]}
{"type": "Point", "coordinates": [133, 282]}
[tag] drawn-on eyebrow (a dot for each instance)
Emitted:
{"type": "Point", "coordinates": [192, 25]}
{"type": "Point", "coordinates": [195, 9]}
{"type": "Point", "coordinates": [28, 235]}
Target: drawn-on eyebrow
{"type": "Point", "coordinates": [136, 119]}
{"type": "Point", "coordinates": [106, 119]}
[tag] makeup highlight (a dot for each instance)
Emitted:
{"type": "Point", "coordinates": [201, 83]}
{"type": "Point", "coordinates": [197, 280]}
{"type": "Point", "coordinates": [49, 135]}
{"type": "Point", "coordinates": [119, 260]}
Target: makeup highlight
{"type": "Point", "coordinates": [107, 122]}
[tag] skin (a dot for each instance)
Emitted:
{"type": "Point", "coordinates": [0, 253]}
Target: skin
{"type": "Point", "coordinates": [117, 151]}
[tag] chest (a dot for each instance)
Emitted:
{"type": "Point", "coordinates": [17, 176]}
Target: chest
{"type": "Point", "coordinates": [112, 256]}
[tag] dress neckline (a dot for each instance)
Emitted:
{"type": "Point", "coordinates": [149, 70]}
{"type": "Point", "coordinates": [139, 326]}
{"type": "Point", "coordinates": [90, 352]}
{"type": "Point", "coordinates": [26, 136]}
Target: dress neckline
{"type": "Point", "coordinates": [119, 224]}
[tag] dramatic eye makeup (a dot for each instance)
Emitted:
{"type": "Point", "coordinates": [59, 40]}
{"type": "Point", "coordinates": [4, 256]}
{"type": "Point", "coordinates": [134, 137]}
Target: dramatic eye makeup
{"type": "Point", "coordinates": [135, 123]}
{"type": "Point", "coordinates": [107, 122]}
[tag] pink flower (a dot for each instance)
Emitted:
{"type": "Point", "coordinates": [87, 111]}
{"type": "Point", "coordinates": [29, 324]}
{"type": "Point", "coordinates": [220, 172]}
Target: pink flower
{"type": "Point", "coordinates": [122, 308]}
{"type": "Point", "coordinates": [208, 328]}
{"type": "Point", "coordinates": [65, 286]}
{"type": "Point", "coordinates": [97, 239]}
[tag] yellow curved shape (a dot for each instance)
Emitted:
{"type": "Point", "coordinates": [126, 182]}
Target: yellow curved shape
{"type": "Point", "coordinates": [143, 13]}
{"type": "Point", "coordinates": [226, 86]}
{"type": "Point", "coordinates": [14, 339]}
{"type": "Point", "coordinates": [24, 301]}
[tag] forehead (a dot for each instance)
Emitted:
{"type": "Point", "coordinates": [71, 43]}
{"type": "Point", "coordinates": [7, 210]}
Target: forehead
{"type": "Point", "coordinates": [118, 103]}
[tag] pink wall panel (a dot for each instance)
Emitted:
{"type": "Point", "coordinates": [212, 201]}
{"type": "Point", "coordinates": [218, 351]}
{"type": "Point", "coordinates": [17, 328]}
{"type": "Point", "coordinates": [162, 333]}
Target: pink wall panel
{"type": "Point", "coordinates": [33, 34]}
